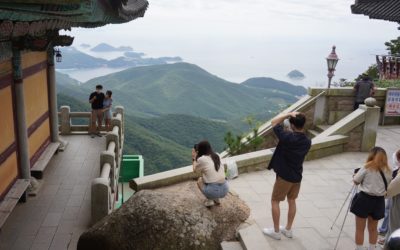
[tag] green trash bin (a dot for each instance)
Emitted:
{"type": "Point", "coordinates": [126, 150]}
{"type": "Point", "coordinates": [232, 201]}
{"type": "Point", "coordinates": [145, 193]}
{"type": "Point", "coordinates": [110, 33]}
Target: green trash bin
{"type": "Point", "coordinates": [132, 166]}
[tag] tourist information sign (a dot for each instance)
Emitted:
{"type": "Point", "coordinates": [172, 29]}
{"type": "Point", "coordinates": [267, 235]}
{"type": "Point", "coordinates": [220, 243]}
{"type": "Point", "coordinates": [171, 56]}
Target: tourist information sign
{"type": "Point", "coordinates": [392, 104]}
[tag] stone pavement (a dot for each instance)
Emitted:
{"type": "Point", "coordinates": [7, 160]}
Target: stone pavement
{"type": "Point", "coordinates": [61, 211]}
{"type": "Point", "coordinates": [325, 186]}
{"type": "Point", "coordinates": [57, 216]}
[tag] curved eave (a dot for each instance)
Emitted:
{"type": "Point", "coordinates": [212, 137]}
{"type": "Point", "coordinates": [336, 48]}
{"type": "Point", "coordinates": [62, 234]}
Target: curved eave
{"type": "Point", "coordinates": [89, 14]}
{"type": "Point", "coordinates": [388, 10]}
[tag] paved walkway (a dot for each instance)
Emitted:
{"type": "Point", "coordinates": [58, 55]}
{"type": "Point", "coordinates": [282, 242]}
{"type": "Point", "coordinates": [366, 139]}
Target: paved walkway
{"type": "Point", "coordinates": [61, 211]}
{"type": "Point", "coordinates": [57, 216]}
{"type": "Point", "coordinates": [325, 186]}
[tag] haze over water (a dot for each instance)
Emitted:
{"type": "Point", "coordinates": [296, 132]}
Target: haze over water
{"type": "Point", "coordinates": [239, 39]}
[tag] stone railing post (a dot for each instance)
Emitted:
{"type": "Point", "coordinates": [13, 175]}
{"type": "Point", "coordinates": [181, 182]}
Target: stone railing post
{"type": "Point", "coordinates": [121, 110]}
{"type": "Point", "coordinates": [65, 120]}
{"type": "Point", "coordinates": [117, 121]}
{"type": "Point", "coordinates": [109, 157]}
{"type": "Point", "coordinates": [100, 199]}
{"type": "Point", "coordinates": [112, 136]}
{"type": "Point", "coordinates": [370, 131]}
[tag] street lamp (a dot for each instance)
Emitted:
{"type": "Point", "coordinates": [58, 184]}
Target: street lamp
{"type": "Point", "coordinates": [332, 60]}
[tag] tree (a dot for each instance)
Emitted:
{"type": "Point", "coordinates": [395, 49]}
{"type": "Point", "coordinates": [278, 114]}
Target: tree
{"type": "Point", "coordinates": [372, 72]}
{"type": "Point", "coordinates": [393, 46]}
{"type": "Point", "coordinates": [253, 141]}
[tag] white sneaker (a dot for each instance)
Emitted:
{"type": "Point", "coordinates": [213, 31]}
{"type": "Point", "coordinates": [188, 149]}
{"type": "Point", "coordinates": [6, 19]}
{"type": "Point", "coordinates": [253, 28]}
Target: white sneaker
{"type": "Point", "coordinates": [287, 233]}
{"type": "Point", "coordinates": [271, 233]}
{"type": "Point", "coordinates": [209, 203]}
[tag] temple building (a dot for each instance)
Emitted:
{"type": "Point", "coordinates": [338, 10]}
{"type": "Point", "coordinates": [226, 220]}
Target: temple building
{"type": "Point", "coordinates": [29, 35]}
{"type": "Point", "coordinates": [389, 10]}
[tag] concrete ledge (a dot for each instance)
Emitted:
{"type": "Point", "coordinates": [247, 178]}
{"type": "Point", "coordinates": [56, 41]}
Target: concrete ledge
{"type": "Point", "coordinates": [249, 162]}
{"type": "Point", "coordinates": [346, 91]}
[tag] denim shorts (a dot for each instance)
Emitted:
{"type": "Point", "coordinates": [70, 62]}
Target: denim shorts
{"type": "Point", "coordinates": [215, 190]}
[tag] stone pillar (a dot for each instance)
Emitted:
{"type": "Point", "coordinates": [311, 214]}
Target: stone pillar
{"type": "Point", "coordinates": [65, 120]}
{"type": "Point", "coordinates": [51, 84]}
{"type": "Point", "coordinates": [320, 112]}
{"type": "Point", "coordinates": [22, 137]}
{"type": "Point", "coordinates": [370, 131]}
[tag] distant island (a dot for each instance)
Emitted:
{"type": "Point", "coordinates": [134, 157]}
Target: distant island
{"type": "Point", "coordinates": [104, 47]}
{"type": "Point", "coordinates": [85, 45]}
{"type": "Point", "coordinates": [76, 59]}
{"type": "Point", "coordinates": [296, 75]}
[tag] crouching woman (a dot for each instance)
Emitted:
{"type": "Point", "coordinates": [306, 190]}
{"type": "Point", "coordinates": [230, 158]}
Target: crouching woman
{"type": "Point", "coordinates": [212, 183]}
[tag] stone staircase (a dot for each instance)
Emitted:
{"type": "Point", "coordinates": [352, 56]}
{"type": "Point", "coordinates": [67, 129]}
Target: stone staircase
{"type": "Point", "coordinates": [250, 238]}
{"type": "Point", "coordinates": [318, 129]}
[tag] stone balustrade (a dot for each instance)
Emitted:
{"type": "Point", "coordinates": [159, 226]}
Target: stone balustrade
{"type": "Point", "coordinates": [104, 189]}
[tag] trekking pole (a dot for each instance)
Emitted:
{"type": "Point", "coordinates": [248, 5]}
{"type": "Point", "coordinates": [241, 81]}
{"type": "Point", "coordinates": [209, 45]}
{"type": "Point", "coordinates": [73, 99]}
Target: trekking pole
{"type": "Point", "coordinates": [340, 211]}
{"type": "Point", "coordinates": [345, 217]}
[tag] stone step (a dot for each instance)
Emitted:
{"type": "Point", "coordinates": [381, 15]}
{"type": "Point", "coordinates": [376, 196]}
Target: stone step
{"type": "Point", "coordinates": [312, 133]}
{"type": "Point", "coordinates": [322, 128]}
{"type": "Point", "coordinates": [252, 238]}
{"type": "Point", "coordinates": [231, 245]}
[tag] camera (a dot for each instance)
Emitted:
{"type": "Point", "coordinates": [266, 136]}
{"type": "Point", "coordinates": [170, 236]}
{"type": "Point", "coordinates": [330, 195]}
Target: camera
{"type": "Point", "coordinates": [356, 170]}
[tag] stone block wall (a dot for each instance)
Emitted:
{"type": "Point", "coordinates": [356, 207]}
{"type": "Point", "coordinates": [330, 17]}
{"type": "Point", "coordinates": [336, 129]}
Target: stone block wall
{"type": "Point", "coordinates": [355, 139]}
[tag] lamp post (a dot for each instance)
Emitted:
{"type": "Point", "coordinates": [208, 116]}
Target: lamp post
{"type": "Point", "coordinates": [332, 60]}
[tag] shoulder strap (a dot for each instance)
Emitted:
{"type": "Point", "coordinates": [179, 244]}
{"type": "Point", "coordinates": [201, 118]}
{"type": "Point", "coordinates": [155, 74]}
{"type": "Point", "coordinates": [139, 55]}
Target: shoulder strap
{"type": "Point", "coordinates": [384, 179]}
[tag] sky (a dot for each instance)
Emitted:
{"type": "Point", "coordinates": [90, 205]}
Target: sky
{"type": "Point", "coordinates": [240, 39]}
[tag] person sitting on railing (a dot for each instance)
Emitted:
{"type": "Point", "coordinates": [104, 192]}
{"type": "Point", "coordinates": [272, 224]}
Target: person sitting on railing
{"type": "Point", "coordinates": [212, 183]}
{"type": "Point", "coordinates": [96, 99]}
{"type": "Point", "coordinates": [107, 104]}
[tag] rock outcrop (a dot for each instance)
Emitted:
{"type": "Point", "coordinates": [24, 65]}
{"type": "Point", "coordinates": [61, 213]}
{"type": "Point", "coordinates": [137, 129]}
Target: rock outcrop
{"type": "Point", "coordinates": [169, 218]}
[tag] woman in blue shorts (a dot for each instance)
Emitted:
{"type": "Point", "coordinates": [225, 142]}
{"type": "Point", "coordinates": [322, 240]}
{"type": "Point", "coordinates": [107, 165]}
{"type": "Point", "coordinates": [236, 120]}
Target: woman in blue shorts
{"type": "Point", "coordinates": [107, 104]}
{"type": "Point", "coordinates": [212, 183]}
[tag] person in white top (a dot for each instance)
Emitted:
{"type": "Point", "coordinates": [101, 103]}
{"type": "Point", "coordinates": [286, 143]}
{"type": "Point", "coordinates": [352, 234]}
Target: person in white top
{"type": "Point", "coordinates": [385, 223]}
{"type": "Point", "coordinates": [369, 204]}
{"type": "Point", "coordinates": [393, 193]}
{"type": "Point", "coordinates": [212, 183]}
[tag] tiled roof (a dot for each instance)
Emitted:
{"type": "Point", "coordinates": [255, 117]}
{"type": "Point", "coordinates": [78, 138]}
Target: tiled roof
{"type": "Point", "coordinates": [378, 9]}
{"type": "Point", "coordinates": [72, 13]}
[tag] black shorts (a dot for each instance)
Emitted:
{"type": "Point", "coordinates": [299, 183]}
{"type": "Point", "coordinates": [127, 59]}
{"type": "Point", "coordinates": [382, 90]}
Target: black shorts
{"type": "Point", "coordinates": [364, 205]}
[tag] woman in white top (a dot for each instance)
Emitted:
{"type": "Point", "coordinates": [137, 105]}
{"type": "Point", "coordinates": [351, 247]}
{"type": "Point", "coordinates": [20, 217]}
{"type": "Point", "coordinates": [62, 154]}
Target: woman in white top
{"type": "Point", "coordinates": [369, 203]}
{"type": "Point", "coordinates": [212, 183]}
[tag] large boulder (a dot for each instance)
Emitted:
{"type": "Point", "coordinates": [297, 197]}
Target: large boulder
{"type": "Point", "coordinates": [169, 218]}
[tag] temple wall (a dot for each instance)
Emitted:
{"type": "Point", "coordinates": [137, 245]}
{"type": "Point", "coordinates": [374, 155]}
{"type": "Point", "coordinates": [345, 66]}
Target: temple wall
{"type": "Point", "coordinates": [35, 85]}
{"type": "Point", "coordinates": [8, 143]}
{"type": "Point", "coordinates": [36, 102]}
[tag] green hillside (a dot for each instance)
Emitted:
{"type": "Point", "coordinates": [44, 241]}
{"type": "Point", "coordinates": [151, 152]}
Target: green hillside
{"type": "Point", "coordinates": [165, 142]}
{"type": "Point", "coordinates": [171, 107]}
{"type": "Point", "coordinates": [184, 88]}
{"type": "Point", "coordinates": [270, 83]}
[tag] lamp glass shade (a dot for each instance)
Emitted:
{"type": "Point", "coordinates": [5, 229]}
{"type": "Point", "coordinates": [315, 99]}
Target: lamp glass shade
{"type": "Point", "coordinates": [58, 56]}
{"type": "Point", "coordinates": [332, 63]}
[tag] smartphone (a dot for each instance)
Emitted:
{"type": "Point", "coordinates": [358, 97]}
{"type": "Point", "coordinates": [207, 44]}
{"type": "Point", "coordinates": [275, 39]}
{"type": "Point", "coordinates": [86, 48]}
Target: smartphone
{"type": "Point", "coordinates": [356, 170]}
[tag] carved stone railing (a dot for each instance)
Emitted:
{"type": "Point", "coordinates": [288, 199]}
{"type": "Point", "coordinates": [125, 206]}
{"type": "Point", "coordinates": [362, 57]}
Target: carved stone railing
{"type": "Point", "coordinates": [104, 189]}
{"type": "Point", "coordinates": [66, 117]}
